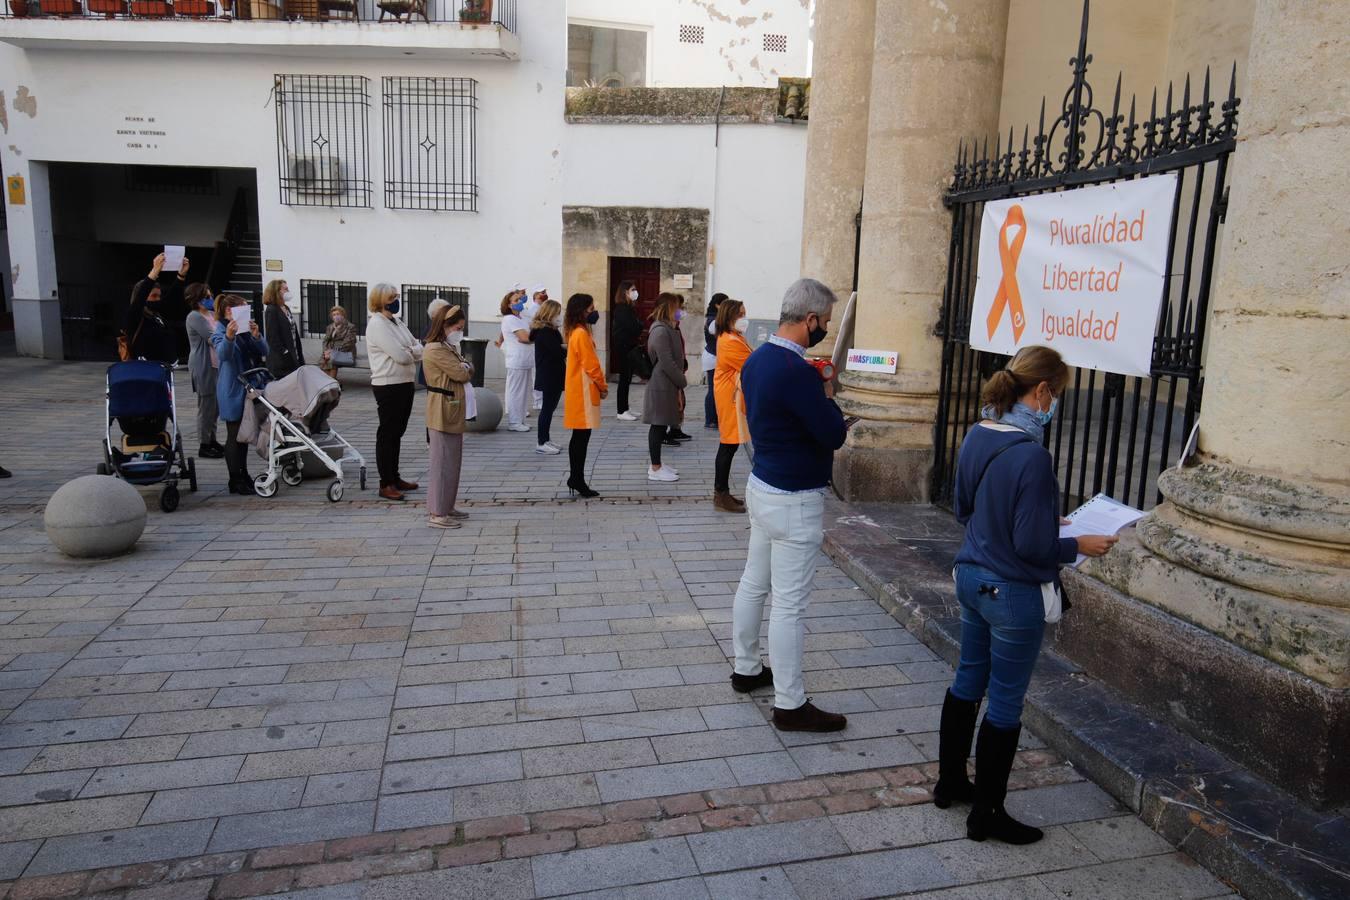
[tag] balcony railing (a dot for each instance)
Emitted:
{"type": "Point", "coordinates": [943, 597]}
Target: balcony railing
{"type": "Point", "coordinates": [465, 12]}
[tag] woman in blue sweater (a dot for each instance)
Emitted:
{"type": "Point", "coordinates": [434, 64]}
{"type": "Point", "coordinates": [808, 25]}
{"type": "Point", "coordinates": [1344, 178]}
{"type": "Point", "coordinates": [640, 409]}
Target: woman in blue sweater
{"type": "Point", "coordinates": [1008, 499]}
{"type": "Point", "coordinates": [238, 352]}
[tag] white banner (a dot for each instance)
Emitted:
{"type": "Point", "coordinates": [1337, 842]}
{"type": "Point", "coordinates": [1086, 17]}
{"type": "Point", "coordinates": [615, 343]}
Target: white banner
{"type": "Point", "coordinates": [1078, 270]}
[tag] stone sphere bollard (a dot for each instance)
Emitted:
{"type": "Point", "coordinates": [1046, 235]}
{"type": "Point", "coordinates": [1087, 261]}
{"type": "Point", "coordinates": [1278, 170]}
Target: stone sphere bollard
{"type": "Point", "coordinates": [489, 411]}
{"type": "Point", "coordinates": [95, 515]}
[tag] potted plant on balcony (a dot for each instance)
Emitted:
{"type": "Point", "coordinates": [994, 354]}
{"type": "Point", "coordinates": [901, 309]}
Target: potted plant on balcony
{"type": "Point", "coordinates": [18, 8]}
{"type": "Point", "coordinates": [476, 12]}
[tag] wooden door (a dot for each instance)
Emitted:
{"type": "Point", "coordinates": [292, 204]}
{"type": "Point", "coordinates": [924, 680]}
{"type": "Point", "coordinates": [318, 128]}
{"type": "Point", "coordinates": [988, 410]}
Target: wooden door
{"type": "Point", "coordinates": [644, 272]}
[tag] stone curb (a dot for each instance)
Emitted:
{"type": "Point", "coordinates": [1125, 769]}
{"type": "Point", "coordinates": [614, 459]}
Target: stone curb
{"type": "Point", "coordinates": [270, 870]}
{"type": "Point", "coordinates": [1225, 818]}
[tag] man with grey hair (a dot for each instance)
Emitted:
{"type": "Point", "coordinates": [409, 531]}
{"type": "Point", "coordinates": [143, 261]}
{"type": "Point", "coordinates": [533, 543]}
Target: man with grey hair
{"type": "Point", "coordinates": [796, 427]}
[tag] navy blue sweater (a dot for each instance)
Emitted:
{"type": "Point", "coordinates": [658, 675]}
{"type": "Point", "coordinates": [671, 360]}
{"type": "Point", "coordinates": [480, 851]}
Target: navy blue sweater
{"type": "Point", "coordinates": [794, 426]}
{"type": "Point", "coordinates": [1012, 525]}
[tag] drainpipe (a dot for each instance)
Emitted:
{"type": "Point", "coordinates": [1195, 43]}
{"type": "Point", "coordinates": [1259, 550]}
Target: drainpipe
{"type": "Point", "coordinates": [712, 210]}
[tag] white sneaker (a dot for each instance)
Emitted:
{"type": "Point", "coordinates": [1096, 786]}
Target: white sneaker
{"type": "Point", "coordinates": [547, 449]}
{"type": "Point", "coordinates": [521, 427]}
{"type": "Point", "coordinates": [626, 416]}
{"type": "Point", "coordinates": [556, 448]}
{"type": "Point", "coordinates": [662, 474]}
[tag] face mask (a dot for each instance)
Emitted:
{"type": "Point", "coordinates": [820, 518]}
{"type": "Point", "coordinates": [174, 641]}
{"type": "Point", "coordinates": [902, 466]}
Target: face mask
{"type": "Point", "coordinates": [1044, 416]}
{"type": "Point", "coordinates": [592, 317]}
{"type": "Point", "coordinates": [633, 295]}
{"type": "Point", "coordinates": [286, 296]}
{"type": "Point", "coordinates": [392, 307]}
{"type": "Point", "coordinates": [518, 306]}
{"type": "Point", "coordinates": [742, 325]}
{"type": "Point", "coordinates": [816, 335]}
{"type": "Point", "coordinates": [338, 320]}
{"type": "Point", "coordinates": [209, 304]}
{"type": "Point", "coordinates": [454, 337]}
{"type": "Point", "coordinates": [679, 314]}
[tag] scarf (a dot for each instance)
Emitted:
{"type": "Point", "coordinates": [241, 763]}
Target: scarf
{"type": "Point", "coordinates": [1020, 416]}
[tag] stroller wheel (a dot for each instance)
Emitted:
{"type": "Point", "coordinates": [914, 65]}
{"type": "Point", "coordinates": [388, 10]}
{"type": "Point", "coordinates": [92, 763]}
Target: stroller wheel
{"type": "Point", "coordinates": [102, 469]}
{"type": "Point", "coordinates": [192, 475]}
{"type": "Point", "coordinates": [168, 501]}
{"type": "Point", "coordinates": [335, 491]}
{"type": "Point", "coordinates": [265, 485]}
{"type": "Point", "coordinates": [292, 475]}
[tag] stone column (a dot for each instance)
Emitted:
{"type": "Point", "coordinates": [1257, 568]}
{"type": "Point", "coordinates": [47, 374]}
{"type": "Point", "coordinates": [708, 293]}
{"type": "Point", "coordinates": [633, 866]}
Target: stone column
{"type": "Point", "coordinates": [32, 257]}
{"type": "Point", "coordinates": [836, 141]}
{"type": "Point", "coordinates": [937, 75]}
{"type": "Point", "coordinates": [1253, 543]}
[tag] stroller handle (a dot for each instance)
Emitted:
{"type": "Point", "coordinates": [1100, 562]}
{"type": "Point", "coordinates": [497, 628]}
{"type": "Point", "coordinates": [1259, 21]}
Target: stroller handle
{"type": "Point", "coordinates": [243, 376]}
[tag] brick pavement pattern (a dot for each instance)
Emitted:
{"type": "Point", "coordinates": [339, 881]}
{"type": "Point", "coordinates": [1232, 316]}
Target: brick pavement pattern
{"type": "Point", "coordinates": [322, 701]}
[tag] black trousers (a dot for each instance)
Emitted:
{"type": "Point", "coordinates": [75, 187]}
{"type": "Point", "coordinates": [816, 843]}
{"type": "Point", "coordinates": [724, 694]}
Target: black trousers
{"type": "Point", "coordinates": [722, 467]}
{"type": "Point", "coordinates": [236, 454]}
{"type": "Point", "coordinates": [394, 403]}
{"type": "Point", "coordinates": [546, 411]}
{"type": "Point", "coordinates": [576, 455]}
{"type": "Point", "coordinates": [655, 435]}
{"type": "Point", "coordinates": [709, 401]}
{"type": "Point", "coordinates": [625, 381]}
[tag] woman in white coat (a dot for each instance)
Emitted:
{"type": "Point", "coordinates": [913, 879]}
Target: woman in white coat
{"type": "Point", "coordinates": [519, 354]}
{"type": "Point", "coordinates": [394, 354]}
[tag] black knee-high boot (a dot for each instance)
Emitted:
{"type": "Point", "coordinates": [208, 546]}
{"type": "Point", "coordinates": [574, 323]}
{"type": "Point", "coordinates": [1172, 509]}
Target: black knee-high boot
{"type": "Point", "coordinates": [957, 729]}
{"type": "Point", "coordinates": [994, 752]}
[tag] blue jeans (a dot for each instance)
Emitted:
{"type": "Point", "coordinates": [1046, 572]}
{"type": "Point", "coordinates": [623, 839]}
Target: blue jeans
{"type": "Point", "coordinates": [1000, 639]}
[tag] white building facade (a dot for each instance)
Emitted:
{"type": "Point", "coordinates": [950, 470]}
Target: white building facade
{"type": "Point", "coordinates": [336, 153]}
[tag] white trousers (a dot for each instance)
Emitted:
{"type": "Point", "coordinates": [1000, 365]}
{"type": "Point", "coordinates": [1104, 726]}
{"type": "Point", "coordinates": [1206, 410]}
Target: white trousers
{"type": "Point", "coordinates": [785, 535]}
{"type": "Point", "coordinates": [519, 383]}
{"type": "Point", "coordinates": [538, 400]}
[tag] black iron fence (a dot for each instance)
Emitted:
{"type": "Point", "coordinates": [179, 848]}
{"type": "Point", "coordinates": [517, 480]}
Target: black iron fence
{"type": "Point", "coordinates": [417, 297]}
{"type": "Point", "coordinates": [464, 12]}
{"type": "Point", "coordinates": [317, 299]}
{"type": "Point", "coordinates": [1112, 434]}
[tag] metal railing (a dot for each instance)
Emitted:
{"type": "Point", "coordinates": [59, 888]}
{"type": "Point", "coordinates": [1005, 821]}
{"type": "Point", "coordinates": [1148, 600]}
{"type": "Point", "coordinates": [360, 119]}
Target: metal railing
{"type": "Point", "coordinates": [464, 12]}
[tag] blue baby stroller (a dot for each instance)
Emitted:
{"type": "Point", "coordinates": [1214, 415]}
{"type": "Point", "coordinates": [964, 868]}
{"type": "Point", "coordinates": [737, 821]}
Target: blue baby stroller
{"type": "Point", "coordinates": [141, 402]}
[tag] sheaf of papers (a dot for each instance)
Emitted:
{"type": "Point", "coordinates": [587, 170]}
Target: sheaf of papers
{"type": "Point", "coordinates": [1100, 515]}
{"type": "Point", "coordinates": [241, 315]}
{"type": "Point", "coordinates": [173, 257]}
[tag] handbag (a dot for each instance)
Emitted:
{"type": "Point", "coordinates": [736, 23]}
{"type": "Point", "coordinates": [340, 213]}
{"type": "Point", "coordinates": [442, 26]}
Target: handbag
{"type": "Point", "coordinates": [640, 363]}
{"type": "Point", "coordinates": [339, 359]}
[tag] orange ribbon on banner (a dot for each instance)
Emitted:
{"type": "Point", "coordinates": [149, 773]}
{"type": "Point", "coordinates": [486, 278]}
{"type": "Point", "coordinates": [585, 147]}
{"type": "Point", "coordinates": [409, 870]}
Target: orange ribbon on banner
{"type": "Point", "coordinates": [1008, 294]}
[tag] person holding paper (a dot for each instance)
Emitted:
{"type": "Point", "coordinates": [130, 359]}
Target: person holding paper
{"type": "Point", "coordinates": [239, 347]}
{"type": "Point", "coordinates": [1006, 582]}
{"type": "Point", "coordinates": [153, 306]}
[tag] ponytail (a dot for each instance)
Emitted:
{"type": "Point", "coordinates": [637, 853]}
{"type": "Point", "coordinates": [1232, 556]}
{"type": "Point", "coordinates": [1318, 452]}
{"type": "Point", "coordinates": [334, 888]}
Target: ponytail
{"type": "Point", "coordinates": [1028, 368]}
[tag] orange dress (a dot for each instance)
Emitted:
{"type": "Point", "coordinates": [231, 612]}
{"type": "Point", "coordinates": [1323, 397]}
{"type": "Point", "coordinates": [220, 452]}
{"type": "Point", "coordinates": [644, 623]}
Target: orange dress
{"type": "Point", "coordinates": [584, 380]}
{"type": "Point", "coordinates": [732, 352]}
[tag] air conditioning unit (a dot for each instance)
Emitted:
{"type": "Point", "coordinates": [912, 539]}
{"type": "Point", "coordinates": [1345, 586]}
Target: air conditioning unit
{"type": "Point", "coordinates": [316, 175]}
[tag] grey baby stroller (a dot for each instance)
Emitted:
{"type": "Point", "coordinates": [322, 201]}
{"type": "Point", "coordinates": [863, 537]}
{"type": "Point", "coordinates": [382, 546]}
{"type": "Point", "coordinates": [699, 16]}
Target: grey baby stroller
{"type": "Point", "coordinates": [287, 421]}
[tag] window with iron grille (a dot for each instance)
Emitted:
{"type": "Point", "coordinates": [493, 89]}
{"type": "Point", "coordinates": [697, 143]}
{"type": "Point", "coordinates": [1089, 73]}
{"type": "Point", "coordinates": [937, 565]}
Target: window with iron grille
{"type": "Point", "coordinates": [775, 43]}
{"type": "Point", "coordinates": [430, 157]}
{"type": "Point", "coordinates": [323, 139]}
{"type": "Point", "coordinates": [172, 180]}
{"type": "Point", "coordinates": [691, 34]}
{"type": "Point", "coordinates": [319, 297]}
{"type": "Point", "coordinates": [417, 297]}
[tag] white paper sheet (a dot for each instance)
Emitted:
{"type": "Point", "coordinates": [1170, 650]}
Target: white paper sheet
{"type": "Point", "coordinates": [241, 316]}
{"type": "Point", "coordinates": [1100, 515]}
{"type": "Point", "coordinates": [173, 257]}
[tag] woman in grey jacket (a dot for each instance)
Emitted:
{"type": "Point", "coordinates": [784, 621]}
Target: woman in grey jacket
{"type": "Point", "coordinates": [283, 338]}
{"type": "Point", "coordinates": [204, 366]}
{"type": "Point", "coordinates": [661, 403]}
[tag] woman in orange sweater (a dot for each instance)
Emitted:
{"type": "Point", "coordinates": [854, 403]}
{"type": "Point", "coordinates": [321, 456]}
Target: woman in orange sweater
{"type": "Point", "coordinates": [732, 352]}
{"type": "Point", "coordinates": [585, 387]}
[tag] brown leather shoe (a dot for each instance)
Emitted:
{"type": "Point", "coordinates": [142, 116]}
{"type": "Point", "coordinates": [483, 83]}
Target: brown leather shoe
{"type": "Point", "coordinates": [807, 718]}
{"type": "Point", "coordinates": [405, 485]}
{"type": "Point", "coordinates": [724, 502]}
{"type": "Point", "coordinates": [389, 492]}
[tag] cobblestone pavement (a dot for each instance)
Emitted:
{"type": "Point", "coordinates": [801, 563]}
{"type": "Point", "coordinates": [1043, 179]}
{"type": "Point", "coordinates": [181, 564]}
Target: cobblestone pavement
{"type": "Point", "coordinates": [333, 700]}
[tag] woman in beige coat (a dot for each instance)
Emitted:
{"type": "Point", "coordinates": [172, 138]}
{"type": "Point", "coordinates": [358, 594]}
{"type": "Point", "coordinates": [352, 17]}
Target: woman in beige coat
{"type": "Point", "coordinates": [447, 375]}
